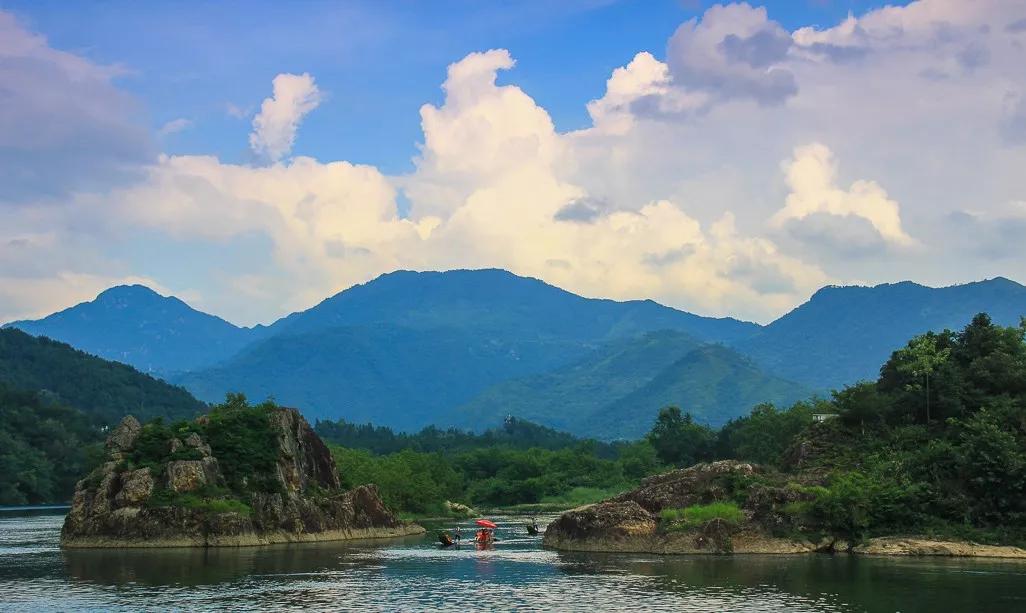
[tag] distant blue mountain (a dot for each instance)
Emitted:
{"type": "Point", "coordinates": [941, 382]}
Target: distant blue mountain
{"type": "Point", "coordinates": [843, 334]}
{"type": "Point", "coordinates": [134, 325]}
{"type": "Point", "coordinates": [406, 348]}
{"type": "Point", "coordinates": [412, 348]}
{"type": "Point", "coordinates": [500, 301]}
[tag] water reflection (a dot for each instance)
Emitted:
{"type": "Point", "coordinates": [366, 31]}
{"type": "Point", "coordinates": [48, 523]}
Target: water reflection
{"type": "Point", "coordinates": [416, 574]}
{"type": "Point", "coordinates": [193, 566]}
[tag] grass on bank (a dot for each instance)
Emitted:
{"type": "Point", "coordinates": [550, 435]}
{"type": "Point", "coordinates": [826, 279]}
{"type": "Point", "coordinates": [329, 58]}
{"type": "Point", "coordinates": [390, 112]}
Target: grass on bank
{"type": "Point", "coordinates": [701, 514]}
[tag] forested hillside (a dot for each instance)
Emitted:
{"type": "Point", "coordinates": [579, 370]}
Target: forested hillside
{"type": "Point", "coordinates": [105, 391]}
{"type": "Point", "coordinates": [45, 447]}
{"type": "Point", "coordinates": [617, 390]}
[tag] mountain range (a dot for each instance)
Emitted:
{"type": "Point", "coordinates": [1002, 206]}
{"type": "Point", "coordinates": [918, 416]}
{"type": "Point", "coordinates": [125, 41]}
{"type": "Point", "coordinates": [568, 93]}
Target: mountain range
{"type": "Point", "coordinates": [468, 347]}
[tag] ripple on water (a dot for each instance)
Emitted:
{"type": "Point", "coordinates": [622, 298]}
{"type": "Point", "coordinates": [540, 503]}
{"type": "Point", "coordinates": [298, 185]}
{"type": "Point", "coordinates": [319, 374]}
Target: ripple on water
{"type": "Point", "coordinates": [415, 574]}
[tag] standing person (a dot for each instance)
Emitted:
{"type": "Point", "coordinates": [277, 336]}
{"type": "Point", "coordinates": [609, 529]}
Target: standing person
{"type": "Point", "coordinates": [459, 534]}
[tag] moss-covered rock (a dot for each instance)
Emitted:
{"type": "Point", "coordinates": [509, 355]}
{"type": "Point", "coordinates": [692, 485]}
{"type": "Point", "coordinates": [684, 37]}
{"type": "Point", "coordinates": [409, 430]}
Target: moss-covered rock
{"type": "Point", "coordinates": [167, 486]}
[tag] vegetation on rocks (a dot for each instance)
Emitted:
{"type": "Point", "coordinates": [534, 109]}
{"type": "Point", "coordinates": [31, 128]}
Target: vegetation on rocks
{"type": "Point", "coordinates": [699, 514]}
{"type": "Point", "coordinates": [241, 475]}
{"type": "Point", "coordinates": [935, 447]}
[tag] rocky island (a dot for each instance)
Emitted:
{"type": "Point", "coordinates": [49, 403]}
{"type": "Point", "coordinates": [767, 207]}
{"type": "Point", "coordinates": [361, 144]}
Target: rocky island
{"type": "Point", "coordinates": [238, 476]}
{"type": "Point", "coordinates": [728, 507]}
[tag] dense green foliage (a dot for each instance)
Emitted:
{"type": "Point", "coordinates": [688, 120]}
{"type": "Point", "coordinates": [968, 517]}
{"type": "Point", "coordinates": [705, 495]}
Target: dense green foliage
{"type": "Point", "coordinates": [948, 457]}
{"type": "Point", "coordinates": [766, 433]}
{"type": "Point", "coordinates": [45, 447]}
{"type": "Point", "coordinates": [518, 463]}
{"type": "Point", "coordinates": [497, 474]}
{"type": "Point", "coordinates": [514, 432]}
{"type": "Point", "coordinates": [241, 436]}
{"type": "Point", "coordinates": [245, 442]}
{"type": "Point", "coordinates": [105, 391]}
{"type": "Point", "coordinates": [936, 445]}
{"type": "Point", "coordinates": [678, 440]}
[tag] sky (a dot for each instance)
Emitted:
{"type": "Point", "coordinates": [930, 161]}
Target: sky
{"type": "Point", "coordinates": [727, 159]}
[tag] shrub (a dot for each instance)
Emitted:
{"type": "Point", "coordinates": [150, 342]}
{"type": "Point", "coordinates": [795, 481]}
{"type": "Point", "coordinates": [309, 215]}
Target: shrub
{"type": "Point", "coordinates": [244, 441]}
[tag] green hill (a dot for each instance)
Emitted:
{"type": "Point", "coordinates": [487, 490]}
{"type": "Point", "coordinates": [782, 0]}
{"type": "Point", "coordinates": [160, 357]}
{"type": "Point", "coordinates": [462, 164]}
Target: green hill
{"type": "Point", "coordinates": [55, 405]}
{"type": "Point", "coordinates": [561, 398]}
{"type": "Point", "coordinates": [105, 391]}
{"type": "Point", "coordinates": [713, 383]}
{"type": "Point", "coordinates": [45, 447]}
{"type": "Point", "coordinates": [616, 391]}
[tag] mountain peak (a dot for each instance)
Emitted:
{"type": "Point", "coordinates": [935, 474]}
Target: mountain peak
{"type": "Point", "coordinates": [133, 292]}
{"type": "Point", "coordinates": [136, 325]}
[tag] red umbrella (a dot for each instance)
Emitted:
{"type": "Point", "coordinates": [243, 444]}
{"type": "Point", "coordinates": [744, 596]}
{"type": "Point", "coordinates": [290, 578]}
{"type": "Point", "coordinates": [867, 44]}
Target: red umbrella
{"type": "Point", "coordinates": [484, 523]}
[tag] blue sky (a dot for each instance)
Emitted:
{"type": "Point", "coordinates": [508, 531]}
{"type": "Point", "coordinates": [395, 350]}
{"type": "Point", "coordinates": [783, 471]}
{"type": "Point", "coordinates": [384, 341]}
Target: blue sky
{"type": "Point", "coordinates": [729, 159]}
{"type": "Point", "coordinates": [377, 62]}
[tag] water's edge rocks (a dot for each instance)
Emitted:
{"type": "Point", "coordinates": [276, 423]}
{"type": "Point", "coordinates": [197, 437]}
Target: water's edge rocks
{"type": "Point", "coordinates": [186, 500]}
{"type": "Point", "coordinates": [631, 522]}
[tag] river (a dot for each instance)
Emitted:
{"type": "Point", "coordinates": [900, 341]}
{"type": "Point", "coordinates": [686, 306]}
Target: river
{"type": "Point", "coordinates": [517, 574]}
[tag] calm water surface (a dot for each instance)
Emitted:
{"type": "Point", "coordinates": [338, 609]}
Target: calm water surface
{"type": "Point", "coordinates": [414, 574]}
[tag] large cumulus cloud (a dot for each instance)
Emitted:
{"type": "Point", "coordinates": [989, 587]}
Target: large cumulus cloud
{"type": "Point", "coordinates": [733, 174]}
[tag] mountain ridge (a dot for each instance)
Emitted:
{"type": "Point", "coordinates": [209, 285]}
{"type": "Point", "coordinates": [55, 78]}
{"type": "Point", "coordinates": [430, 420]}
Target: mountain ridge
{"type": "Point", "coordinates": [813, 343]}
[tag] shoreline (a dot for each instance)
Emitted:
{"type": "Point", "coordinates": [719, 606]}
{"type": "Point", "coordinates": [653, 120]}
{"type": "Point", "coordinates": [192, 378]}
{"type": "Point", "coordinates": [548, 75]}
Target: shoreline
{"type": "Point", "coordinates": [245, 540]}
{"type": "Point", "coordinates": [748, 543]}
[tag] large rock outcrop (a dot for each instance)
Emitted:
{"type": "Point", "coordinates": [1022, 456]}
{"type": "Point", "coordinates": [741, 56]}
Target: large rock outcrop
{"type": "Point", "coordinates": [767, 500]}
{"type": "Point", "coordinates": [631, 522]}
{"type": "Point", "coordinates": [189, 502]}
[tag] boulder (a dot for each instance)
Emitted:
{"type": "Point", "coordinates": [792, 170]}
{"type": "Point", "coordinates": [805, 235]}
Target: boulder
{"type": "Point", "coordinates": [186, 475]}
{"type": "Point", "coordinates": [123, 436]}
{"type": "Point", "coordinates": [136, 487]}
{"type": "Point", "coordinates": [608, 520]}
{"type": "Point", "coordinates": [698, 484]}
{"type": "Point", "coordinates": [194, 441]}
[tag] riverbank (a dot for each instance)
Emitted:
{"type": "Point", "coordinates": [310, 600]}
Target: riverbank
{"type": "Point", "coordinates": [251, 539]}
{"type": "Point", "coordinates": [731, 507]}
{"type": "Point", "coordinates": [751, 542]}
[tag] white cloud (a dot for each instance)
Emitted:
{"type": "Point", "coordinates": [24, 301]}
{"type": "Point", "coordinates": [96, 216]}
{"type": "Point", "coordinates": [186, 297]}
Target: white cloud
{"type": "Point", "coordinates": [275, 126]}
{"type": "Point", "coordinates": [734, 51]}
{"type": "Point", "coordinates": [676, 191]}
{"type": "Point", "coordinates": [174, 126]}
{"type": "Point", "coordinates": [64, 126]}
{"type": "Point", "coordinates": [812, 177]}
{"type": "Point", "coordinates": [32, 298]}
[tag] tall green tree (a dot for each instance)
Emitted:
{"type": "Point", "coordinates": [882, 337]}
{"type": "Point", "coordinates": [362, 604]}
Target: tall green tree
{"type": "Point", "coordinates": [678, 439]}
{"type": "Point", "coordinates": [921, 358]}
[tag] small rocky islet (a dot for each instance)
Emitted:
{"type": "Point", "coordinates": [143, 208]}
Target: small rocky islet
{"type": "Point", "coordinates": [768, 519]}
{"type": "Point", "coordinates": [168, 486]}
